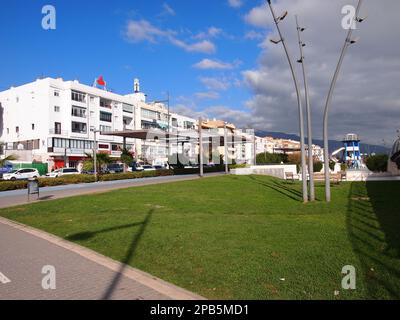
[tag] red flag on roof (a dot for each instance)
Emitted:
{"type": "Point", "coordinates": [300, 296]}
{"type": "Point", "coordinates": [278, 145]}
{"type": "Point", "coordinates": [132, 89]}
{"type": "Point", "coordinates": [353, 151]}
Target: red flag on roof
{"type": "Point", "coordinates": [100, 81]}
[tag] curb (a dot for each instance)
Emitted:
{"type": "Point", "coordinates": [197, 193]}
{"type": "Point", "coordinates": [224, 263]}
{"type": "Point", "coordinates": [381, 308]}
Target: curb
{"type": "Point", "coordinates": [159, 285]}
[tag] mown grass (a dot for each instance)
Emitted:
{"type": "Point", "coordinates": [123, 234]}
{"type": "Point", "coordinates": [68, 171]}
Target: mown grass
{"type": "Point", "coordinates": [236, 237]}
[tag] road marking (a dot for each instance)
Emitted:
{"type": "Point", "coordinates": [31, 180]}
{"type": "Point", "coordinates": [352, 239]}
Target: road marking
{"type": "Point", "coordinates": [4, 279]}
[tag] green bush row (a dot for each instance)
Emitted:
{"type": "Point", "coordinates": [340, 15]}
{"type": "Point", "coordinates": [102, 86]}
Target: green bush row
{"type": "Point", "coordinates": [82, 178]}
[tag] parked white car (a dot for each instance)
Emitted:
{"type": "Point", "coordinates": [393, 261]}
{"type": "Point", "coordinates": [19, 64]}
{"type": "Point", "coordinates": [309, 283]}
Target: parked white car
{"type": "Point", "coordinates": [148, 168]}
{"type": "Point", "coordinates": [22, 174]}
{"type": "Point", "coordinates": [62, 172]}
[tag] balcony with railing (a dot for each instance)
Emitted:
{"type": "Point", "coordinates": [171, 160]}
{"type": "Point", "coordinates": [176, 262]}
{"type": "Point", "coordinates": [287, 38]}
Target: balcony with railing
{"type": "Point", "coordinates": [58, 132]}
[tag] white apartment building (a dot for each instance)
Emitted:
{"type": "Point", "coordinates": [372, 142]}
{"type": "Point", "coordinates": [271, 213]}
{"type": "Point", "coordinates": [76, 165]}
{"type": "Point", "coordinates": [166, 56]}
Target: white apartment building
{"type": "Point", "coordinates": [52, 120]}
{"type": "Point", "coordinates": [287, 146]}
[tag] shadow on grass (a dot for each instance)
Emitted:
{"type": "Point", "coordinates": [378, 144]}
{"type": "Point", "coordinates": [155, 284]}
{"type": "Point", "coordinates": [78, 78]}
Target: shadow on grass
{"type": "Point", "coordinates": [373, 225]}
{"type": "Point", "coordinates": [128, 256]}
{"type": "Point", "coordinates": [129, 253]}
{"type": "Point", "coordinates": [280, 187]}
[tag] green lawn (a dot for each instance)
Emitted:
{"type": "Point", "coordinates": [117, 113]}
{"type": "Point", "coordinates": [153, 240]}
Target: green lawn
{"type": "Point", "coordinates": [236, 237]}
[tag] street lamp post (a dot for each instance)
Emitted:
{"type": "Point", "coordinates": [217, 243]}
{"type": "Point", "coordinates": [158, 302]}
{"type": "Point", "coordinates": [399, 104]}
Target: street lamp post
{"type": "Point", "coordinates": [347, 43]}
{"type": "Point", "coordinates": [226, 149]}
{"type": "Point", "coordinates": [95, 153]}
{"type": "Point", "coordinates": [201, 148]}
{"type": "Point", "coordinates": [301, 120]}
{"type": "Point", "coordinates": [308, 111]}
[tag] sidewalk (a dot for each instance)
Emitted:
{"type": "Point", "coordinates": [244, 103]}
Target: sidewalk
{"type": "Point", "coordinates": [81, 274]}
{"type": "Point", "coordinates": [20, 197]}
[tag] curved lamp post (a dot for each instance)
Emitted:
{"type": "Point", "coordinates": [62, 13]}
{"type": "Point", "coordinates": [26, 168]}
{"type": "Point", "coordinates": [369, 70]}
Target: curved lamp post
{"type": "Point", "coordinates": [347, 43]}
{"type": "Point", "coordinates": [301, 121]}
{"type": "Point", "coordinates": [308, 111]}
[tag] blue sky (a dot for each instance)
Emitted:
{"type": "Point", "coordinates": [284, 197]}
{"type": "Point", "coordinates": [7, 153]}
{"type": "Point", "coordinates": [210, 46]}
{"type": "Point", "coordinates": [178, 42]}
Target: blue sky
{"type": "Point", "coordinates": [196, 50]}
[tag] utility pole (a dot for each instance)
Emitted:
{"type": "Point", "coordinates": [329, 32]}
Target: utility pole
{"type": "Point", "coordinates": [201, 148]}
{"type": "Point", "coordinates": [168, 128]}
{"type": "Point", "coordinates": [347, 43]}
{"type": "Point", "coordinates": [308, 111]}
{"type": "Point", "coordinates": [95, 154]}
{"type": "Point", "coordinates": [277, 20]}
{"type": "Point", "coordinates": [226, 149]}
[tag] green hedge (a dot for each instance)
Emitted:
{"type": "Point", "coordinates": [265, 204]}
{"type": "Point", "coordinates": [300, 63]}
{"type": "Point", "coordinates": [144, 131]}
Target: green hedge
{"type": "Point", "coordinates": [217, 168]}
{"type": "Point", "coordinates": [378, 163]}
{"type": "Point", "coordinates": [82, 178]}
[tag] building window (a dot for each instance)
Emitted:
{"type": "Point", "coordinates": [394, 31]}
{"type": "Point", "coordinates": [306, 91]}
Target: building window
{"type": "Point", "coordinates": [105, 103]}
{"type": "Point", "coordinates": [105, 116]}
{"type": "Point", "coordinates": [104, 146]}
{"type": "Point", "coordinates": [33, 126]}
{"type": "Point", "coordinates": [17, 129]}
{"type": "Point", "coordinates": [57, 127]}
{"type": "Point", "coordinates": [79, 127]}
{"type": "Point", "coordinates": [78, 112]}
{"type": "Point", "coordinates": [56, 93]}
{"type": "Point", "coordinates": [149, 114]}
{"type": "Point", "coordinates": [56, 109]}
{"type": "Point", "coordinates": [105, 128]}
{"type": "Point", "coordinates": [78, 96]}
{"type": "Point", "coordinates": [8, 130]}
{"type": "Point", "coordinates": [127, 108]}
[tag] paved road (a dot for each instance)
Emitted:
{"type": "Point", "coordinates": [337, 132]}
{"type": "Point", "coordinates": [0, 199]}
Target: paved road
{"type": "Point", "coordinates": [80, 274]}
{"type": "Point", "coordinates": [19, 197]}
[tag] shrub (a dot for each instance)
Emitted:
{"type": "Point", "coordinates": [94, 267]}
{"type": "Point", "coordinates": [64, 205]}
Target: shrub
{"type": "Point", "coordinates": [82, 178]}
{"type": "Point", "coordinates": [12, 185]}
{"type": "Point", "coordinates": [237, 166]}
{"type": "Point", "coordinates": [332, 165]}
{"type": "Point", "coordinates": [271, 158]}
{"type": "Point", "coordinates": [318, 166]}
{"type": "Point", "coordinates": [217, 168]}
{"type": "Point", "coordinates": [378, 163]}
{"type": "Point", "coordinates": [135, 175]}
{"type": "Point", "coordinates": [343, 167]}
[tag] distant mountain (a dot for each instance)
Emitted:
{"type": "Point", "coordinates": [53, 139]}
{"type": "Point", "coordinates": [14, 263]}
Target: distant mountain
{"type": "Point", "coordinates": [333, 144]}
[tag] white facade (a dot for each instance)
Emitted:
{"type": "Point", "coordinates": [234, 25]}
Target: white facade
{"type": "Point", "coordinates": [51, 120]}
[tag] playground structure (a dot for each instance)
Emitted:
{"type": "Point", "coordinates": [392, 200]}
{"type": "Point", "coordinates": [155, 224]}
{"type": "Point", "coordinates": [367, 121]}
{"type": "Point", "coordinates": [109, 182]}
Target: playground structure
{"type": "Point", "coordinates": [350, 152]}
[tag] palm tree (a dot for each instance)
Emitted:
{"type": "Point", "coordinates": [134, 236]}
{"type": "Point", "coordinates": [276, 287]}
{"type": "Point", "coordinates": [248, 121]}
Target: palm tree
{"type": "Point", "coordinates": [126, 158]}
{"type": "Point", "coordinates": [101, 158]}
{"type": "Point", "coordinates": [4, 161]}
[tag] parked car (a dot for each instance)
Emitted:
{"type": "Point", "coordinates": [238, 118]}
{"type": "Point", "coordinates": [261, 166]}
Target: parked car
{"type": "Point", "coordinates": [115, 168]}
{"type": "Point", "coordinates": [148, 168]}
{"type": "Point", "coordinates": [22, 174]}
{"type": "Point", "coordinates": [159, 167]}
{"type": "Point", "coordinates": [62, 172]}
{"type": "Point", "coordinates": [135, 166]}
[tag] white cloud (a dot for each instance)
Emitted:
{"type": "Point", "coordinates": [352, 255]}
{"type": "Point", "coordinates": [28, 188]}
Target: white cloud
{"type": "Point", "coordinates": [167, 10]}
{"type": "Point", "coordinates": [207, 95]}
{"type": "Point", "coordinates": [235, 3]}
{"type": "Point", "coordinates": [216, 84]}
{"type": "Point", "coordinates": [366, 98]}
{"type": "Point", "coordinates": [143, 30]}
{"type": "Point", "coordinates": [254, 35]}
{"type": "Point", "coordinates": [259, 16]}
{"type": "Point", "coordinates": [211, 32]}
{"type": "Point", "coordinates": [213, 64]}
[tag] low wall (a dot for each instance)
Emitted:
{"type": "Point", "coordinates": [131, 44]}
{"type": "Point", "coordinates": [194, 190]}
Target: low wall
{"type": "Point", "coordinates": [277, 171]}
